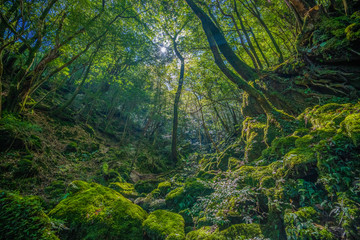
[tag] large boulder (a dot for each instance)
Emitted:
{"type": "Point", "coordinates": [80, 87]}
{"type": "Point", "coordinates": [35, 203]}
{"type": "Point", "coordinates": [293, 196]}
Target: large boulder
{"type": "Point", "coordinates": [93, 211]}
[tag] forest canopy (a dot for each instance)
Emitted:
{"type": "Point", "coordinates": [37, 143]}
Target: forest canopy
{"type": "Point", "coordinates": [218, 119]}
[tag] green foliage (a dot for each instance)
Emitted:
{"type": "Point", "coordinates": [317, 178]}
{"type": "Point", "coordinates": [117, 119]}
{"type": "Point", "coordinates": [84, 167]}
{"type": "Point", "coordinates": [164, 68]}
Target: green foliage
{"type": "Point", "coordinates": [302, 225]}
{"type": "Point", "coordinates": [23, 218]}
{"type": "Point", "coordinates": [164, 225]}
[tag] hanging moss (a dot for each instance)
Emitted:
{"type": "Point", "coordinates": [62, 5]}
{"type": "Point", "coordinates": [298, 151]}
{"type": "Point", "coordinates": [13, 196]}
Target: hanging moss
{"type": "Point", "coordinates": [164, 225]}
{"type": "Point", "coordinates": [23, 218]}
{"type": "Point", "coordinates": [95, 211]}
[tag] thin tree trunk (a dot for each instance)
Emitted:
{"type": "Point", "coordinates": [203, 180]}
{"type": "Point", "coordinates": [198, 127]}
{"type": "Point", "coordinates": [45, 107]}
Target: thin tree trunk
{"type": "Point", "coordinates": [174, 153]}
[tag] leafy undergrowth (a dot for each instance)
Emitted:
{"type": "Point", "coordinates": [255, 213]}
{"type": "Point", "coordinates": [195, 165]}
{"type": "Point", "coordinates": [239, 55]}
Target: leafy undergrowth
{"type": "Point", "coordinates": [302, 186]}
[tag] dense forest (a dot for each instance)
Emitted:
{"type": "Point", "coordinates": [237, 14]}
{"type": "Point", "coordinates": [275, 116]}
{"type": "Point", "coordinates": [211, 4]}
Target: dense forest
{"type": "Point", "coordinates": [180, 119]}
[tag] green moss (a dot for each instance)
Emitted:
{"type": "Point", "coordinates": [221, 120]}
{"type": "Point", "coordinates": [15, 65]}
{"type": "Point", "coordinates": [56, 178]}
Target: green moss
{"type": "Point", "coordinates": [23, 218]}
{"type": "Point", "coordinates": [253, 134]}
{"type": "Point", "coordinates": [200, 234]}
{"type": "Point", "coordinates": [175, 196]}
{"type": "Point", "coordinates": [95, 211]}
{"type": "Point", "coordinates": [299, 163]}
{"type": "Point", "coordinates": [164, 187]}
{"type": "Point", "coordinates": [77, 186]}
{"type": "Point", "coordinates": [328, 116]}
{"type": "Point", "coordinates": [279, 146]}
{"type": "Point", "coordinates": [256, 176]}
{"type": "Point", "coordinates": [304, 141]}
{"type": "Point", "coordinates": [351, 126]}
{"type": "Point", "coordinates": [161, 225]}
{"type": "Point", "coordinates": [240, 231]}
{"type": "Point", "coordinates": [126, 189]}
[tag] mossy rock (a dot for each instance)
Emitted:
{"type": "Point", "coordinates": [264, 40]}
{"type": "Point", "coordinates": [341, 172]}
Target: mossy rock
{"type": "Point", "coordinates": [175, 196]}
{"type": "Point", "coordinates": [164, 187]}
{"type": "Point", "coordinates": [126, 189]}
{"type": "Point", "coordinates": [162, 224]}
{"type": "Point", "coordinates": [98, 212]}
{"type": "Point", "coordinates": [200, 234]}
{"type": "Point", "coordinates": [23, 218]}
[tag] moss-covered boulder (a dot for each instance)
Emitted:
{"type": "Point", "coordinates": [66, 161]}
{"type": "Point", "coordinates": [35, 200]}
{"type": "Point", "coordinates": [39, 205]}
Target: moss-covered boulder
{"type": "Point", "coordinates": [162, 224]}
{"type": "Point", "coordinates": [93, 211]}
{"type": "Point", "coordinates": [23, 218]}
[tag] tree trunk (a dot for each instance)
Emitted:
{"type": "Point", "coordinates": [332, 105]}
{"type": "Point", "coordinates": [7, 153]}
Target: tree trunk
{"type": "Point", "coordinates": [174, 153]}
{"type": "Point", "coordinates": [218, 42]}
